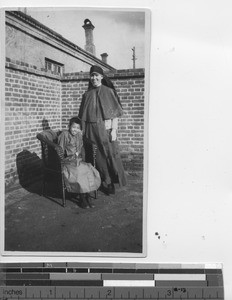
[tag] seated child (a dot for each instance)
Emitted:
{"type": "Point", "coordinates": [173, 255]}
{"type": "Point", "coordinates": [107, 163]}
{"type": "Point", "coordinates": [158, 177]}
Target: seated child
{"type": "Point", "coordinates": [80, 177]}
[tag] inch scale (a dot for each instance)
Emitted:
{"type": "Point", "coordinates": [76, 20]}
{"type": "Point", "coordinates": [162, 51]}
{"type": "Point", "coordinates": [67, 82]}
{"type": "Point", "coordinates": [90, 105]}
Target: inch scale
{"type": "Point", "coordinates": [101, 281]}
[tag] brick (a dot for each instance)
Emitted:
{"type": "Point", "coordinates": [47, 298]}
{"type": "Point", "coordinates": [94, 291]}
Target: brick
{"type": "Point", "coordinates": [47, 103]}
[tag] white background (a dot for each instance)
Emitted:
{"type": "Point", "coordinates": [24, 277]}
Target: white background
{"type": "Point", "coordinates": [190, 132]}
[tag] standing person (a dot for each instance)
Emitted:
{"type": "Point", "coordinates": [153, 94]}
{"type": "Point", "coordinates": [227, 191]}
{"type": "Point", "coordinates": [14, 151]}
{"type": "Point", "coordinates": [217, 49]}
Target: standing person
{"type": "Point", "coordinates": [99, 111]}
{"type": "Point", "coordinates": [80, 177]}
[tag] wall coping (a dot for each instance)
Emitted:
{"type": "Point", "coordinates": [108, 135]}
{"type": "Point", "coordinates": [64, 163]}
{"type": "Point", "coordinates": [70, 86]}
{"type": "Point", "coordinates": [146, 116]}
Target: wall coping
{"type": "Point", "coordinates": [77, 76]}
{"type": "Point", "coordinates": [117, 74]}
{"type": "Point", "coordinates": [30, 69]}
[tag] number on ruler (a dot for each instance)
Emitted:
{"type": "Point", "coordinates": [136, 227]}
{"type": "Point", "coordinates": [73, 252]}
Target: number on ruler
{"type": "Point", "coordinates": [183, 290]}
{"type": "Point", "coordinates": [179, 292]}
{"type": "Point", "coordinates": [105, 293]}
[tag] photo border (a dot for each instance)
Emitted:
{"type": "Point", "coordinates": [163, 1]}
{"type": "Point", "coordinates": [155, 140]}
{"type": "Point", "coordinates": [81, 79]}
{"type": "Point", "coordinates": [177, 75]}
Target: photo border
{"type": "Point", "coordinates": [145, 156]}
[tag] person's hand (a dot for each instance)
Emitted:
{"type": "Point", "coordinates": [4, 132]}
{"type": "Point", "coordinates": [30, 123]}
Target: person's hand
{"type": "Point", "coordinates": [113, 135]}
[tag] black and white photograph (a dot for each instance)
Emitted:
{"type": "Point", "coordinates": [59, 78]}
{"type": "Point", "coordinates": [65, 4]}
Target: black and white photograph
{"type": "Point", "coordinates": [115, 149]}
{"type": "Point", "coordinates": [75, 131]}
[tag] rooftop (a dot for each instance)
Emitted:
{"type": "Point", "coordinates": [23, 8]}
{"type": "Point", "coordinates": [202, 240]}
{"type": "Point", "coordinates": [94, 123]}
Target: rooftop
{"type": "Point", "coordinates": [51, 33]}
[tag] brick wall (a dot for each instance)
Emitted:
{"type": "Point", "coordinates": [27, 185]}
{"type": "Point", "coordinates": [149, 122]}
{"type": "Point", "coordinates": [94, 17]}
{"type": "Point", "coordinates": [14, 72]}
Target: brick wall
{"type": "Point", "coordinates": [35, 99]}
{"type": "Point", "coordinates": [32, 102]}
{"type": "Point", "coordinates": [129, 85]}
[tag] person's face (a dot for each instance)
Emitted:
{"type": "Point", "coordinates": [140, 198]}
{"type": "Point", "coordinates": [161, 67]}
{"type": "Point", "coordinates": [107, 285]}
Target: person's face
{"type": "Point", "coordinates": [75, 128]}
{"type": "Point", "coordinates": [96, 79]}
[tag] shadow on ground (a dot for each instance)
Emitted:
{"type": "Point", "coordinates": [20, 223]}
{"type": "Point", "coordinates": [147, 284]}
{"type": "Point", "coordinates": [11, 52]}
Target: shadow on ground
{"type": "Point", "coordinates": [35, 223]}
{"type": "Point", "coordinates": [28, 170]}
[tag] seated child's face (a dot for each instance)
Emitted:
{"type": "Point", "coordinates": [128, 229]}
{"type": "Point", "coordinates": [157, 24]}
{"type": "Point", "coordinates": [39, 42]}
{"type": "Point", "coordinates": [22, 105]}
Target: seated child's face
{"type": "Point", "coordinates": [75, 128]}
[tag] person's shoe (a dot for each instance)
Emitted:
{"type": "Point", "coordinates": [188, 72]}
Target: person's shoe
{"type": "Point", "coordinates": [88, 200]}
{"type": "Point", "coordinates": [104, 189]}
{"type": "Point", "coordinates": [111, 188]}
{"type": "Point", "coordinates": [84, 203]}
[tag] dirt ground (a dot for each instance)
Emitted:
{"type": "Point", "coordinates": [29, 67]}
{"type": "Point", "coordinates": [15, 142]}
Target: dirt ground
{"type": "Point", "coordinates": [37, 223]}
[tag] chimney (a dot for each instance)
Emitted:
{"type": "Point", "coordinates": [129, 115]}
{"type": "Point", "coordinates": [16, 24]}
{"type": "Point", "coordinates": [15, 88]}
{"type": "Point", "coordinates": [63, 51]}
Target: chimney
{"type": "Point", "coordinates": [88, 27]}
{"type": "Point", "coordinates": [23, 9]}
{"type": "Point", "coordinates": [104, 57]}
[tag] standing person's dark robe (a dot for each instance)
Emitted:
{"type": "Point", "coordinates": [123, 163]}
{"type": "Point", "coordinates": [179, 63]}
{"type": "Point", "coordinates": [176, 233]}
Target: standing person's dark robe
{"type": "Point", "coordinates": [98, 105]}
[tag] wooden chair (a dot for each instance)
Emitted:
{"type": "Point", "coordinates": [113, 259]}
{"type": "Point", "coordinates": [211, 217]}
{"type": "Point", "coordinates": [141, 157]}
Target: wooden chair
{"type": "Point", "coordinates": [53, 160]}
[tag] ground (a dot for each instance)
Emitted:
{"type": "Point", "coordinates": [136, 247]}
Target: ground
{"type": "Point", "coordinates": [37, 223]}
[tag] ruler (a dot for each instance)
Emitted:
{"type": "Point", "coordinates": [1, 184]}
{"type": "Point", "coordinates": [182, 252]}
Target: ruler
{"type": "Point", "coordinates": [110, 281]}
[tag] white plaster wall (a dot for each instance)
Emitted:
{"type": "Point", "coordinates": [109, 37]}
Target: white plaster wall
{"type": "Point", "coordinates": [22, 47]}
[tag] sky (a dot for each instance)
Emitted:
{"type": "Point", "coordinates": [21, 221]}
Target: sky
{"type": "Point", "coordinates": [116, 32]}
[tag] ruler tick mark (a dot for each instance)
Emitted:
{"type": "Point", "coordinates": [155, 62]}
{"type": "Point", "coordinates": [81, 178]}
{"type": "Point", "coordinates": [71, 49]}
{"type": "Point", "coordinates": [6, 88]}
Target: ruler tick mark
{"type": "Point", "coordinates": [29, 290]}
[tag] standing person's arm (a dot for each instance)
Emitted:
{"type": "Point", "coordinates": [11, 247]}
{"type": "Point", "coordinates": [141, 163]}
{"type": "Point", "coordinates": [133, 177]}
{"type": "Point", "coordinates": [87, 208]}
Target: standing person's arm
{"type": "Point", "coordinates": [114, 126]}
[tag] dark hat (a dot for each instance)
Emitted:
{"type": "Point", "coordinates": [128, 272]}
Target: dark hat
{"type": "Point", "coordinates": [96, 69]}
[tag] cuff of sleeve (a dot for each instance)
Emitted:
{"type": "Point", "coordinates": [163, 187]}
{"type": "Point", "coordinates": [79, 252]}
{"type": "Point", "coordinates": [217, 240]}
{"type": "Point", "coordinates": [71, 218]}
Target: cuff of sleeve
{"type": "Point", "coordinates": [115, 124]}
